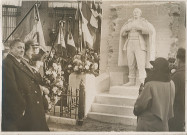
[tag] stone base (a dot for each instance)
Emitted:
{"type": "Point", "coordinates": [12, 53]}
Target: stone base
{"type": "Point", "coordinates": [120, 78]}
{"type": "Point", "coordinates": [89, 82]}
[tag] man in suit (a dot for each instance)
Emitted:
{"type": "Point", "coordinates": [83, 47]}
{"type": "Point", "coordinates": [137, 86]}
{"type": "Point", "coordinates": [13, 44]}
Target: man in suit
{"type": "Point", "coordinates": [178, 122]}
{"type": "Point", "coordinates": [22, 105]}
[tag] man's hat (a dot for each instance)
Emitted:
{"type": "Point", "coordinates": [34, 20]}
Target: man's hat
{"type": "Point", "coordinates": [181, 54]}
{"type": "Point", "coordinates": [35, 44]}
{"type": "Point", "coordinates": [160, 64]}
{"type": "Point", "coordinates": [32, 43]}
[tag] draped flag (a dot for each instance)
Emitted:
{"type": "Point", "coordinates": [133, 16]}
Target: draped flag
{"type": "Point", "coordinates": [95, 15]}
{"type": "Point", "coordinates": [90, 20]}
{"type": "Point", "coordinates": [71, 45]}
{"type": "Point", "coordinates": [94, 20]}
{"type": "Point", "coordinates": [71, 48]}
{"type": "Point", "coordinates": [60, 39]}
{"type": "Point", "coordinates": [31, 29]}
{"type": "Point", "coordinates": [86, 16]}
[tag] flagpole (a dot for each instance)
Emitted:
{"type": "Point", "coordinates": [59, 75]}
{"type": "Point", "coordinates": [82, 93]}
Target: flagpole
{"type": "Point", "coordinates": [80, 27]}
{"type": "Point", "coordinates": [20, 23]}
{"type": "Point", "coordinates": [80, 36]}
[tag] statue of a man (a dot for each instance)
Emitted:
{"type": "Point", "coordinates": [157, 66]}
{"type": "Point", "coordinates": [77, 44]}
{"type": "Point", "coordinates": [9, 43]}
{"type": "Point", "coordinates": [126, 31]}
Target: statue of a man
{"type": "Point", "coordinates": [136, 46]}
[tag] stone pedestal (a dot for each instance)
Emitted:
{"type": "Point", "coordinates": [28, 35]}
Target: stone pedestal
{"type": "Point", "coordinates": [89, 82]}
{"type": "Point", "coordinates": [127, 91]}
{"type": "Point", "coordinates": [120, 78]}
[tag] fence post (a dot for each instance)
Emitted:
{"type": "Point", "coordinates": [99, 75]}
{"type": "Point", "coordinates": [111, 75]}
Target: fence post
{"type": "Point", "coordinates": [81, 107]}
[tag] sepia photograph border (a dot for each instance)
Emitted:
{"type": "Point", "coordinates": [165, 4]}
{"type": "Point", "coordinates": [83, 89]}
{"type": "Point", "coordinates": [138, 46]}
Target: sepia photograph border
{"type": "Point", "coordinates": [96, 133]}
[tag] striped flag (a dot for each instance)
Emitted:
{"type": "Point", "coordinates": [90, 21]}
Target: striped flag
{"type": "Point", "coordinates": [31, 29]}
{"type": "Point", "coordinates": [91, 24]}
{"type": "Point", "coordinates": [86, 16]}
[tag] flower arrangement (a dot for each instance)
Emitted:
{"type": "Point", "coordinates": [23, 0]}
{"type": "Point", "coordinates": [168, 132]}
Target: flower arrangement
{"type": "Point", "coordinates": [85, 62]}
{"type": "Point", "coordinates": [54, 72]}
{"type": "Point", "coordinates": [53, 80]}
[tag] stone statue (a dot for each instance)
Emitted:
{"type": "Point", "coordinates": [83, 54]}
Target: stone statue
{"type": "Point", "coordinates": [136, 46]}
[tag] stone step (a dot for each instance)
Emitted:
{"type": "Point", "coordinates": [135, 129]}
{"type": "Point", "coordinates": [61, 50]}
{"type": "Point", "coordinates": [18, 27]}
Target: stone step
{"type": "Point", "coordinates": [131, 91]}
{"type": "Point", "coordinates": [112, 109]}
{"type": "Point", "coordinates": [115, 100]}
{"type": "Point", "coordinates": [111, 118]}
{"type": "Point", "coordinates": [60, 120]}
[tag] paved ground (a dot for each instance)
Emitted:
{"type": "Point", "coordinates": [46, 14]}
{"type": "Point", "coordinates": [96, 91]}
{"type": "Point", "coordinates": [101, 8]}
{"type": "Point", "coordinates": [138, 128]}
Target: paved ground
{"type": "Point", "coordinates": [90, 125]}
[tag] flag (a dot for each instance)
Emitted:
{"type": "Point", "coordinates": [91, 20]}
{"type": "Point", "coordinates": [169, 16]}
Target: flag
{"type": "Point", "coordinates": [91, 23]}
{"type": "Point", "coordinates": [71, 45]}
{"type": "Point", "coordinates": [78, 20]}
{"type": "Point", "coordinates": [31, 29]}
{"type": "Point", "coordinates": [71, 48]}
{"type": "Point", "coordinates": [86, 16]}
{"type": "Point", "coordinates": [59, 44]}
{"type": "Point", "coordinates": [60, 38]}
{"type": "Point", "coordinates": [94, 20]}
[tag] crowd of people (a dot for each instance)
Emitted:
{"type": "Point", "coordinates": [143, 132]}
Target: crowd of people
{"type": "Point", "coordinates": [160, 105]}
{"type": "Point", "coordinates": [23, 104]}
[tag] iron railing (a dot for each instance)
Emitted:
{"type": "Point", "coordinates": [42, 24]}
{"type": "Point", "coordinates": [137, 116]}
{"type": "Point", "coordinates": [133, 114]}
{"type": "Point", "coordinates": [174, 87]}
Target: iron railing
{"type": "Point", "coordinates": [71, 104]}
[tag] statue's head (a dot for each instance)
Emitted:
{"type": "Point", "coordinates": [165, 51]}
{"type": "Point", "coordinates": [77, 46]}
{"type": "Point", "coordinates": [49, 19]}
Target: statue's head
{"type": "Point", "coordinates": [137, 13]}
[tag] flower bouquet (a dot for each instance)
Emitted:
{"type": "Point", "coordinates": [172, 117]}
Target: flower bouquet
{"type": "Point", "coordinates": [85, 62]}
{"type": "Point", "coordinates": [53, 80]}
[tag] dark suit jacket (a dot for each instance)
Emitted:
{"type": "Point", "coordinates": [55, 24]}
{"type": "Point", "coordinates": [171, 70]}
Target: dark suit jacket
{"type": "Point", "coordinates": [40, 80]}
{"type": "Point", "coordinates": [177, 123]}
{"type": "Point", "coordinates": [21, 93]}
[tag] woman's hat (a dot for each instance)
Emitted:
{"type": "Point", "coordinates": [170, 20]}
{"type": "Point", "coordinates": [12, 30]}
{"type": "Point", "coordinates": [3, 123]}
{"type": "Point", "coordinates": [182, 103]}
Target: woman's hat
{"type": "Point", "coordinates": [160, 64]}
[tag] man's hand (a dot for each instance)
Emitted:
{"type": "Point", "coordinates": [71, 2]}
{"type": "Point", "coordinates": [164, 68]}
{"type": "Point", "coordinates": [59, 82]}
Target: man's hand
{"type": "Point", "coordinates": [44, 90]}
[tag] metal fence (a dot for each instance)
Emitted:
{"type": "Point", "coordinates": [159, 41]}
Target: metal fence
{"type": "Point", "coordinates": [71, 103]}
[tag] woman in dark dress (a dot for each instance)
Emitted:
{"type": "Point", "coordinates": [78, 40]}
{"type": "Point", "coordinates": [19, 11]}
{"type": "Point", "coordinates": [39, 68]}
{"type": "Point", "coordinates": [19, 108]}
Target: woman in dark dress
{"type": "Point", "coordinates": [154, 106]}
